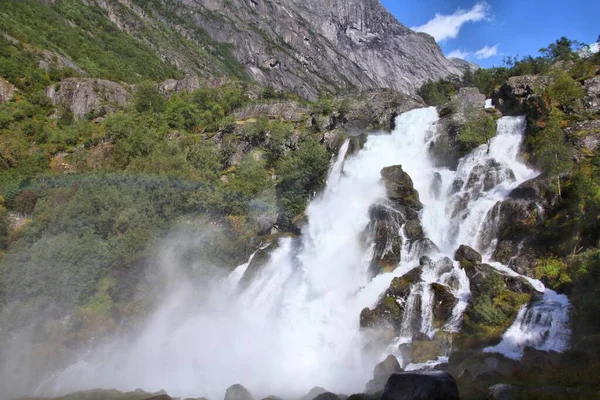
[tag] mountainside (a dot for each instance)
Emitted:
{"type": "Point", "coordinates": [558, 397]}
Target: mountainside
{"type": "Point", "coordinates": [308, 47]}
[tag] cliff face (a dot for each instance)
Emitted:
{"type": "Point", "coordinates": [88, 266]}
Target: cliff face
{"type": "Point", "coordinates": [306, 46]}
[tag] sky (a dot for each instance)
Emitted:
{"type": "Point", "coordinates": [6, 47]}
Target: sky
{"type": "Point", "coordinates": [484, 32]}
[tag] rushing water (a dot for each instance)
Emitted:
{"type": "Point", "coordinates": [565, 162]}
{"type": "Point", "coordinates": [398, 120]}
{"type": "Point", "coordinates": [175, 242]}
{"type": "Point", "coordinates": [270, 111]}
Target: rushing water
{"type": "Point", "coordinates": [296, 325]}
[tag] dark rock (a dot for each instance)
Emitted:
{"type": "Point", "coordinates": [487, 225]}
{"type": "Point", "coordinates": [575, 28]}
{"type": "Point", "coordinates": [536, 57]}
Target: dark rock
{"type": "Point", "coordinates": [436, 185]}
{"type": "Point", "coordinates": [237, 392]}
{"type": "Point", "coordinates": [382, 373]}
{"type": "Point", "coordinates": [434, 385]}
{"type": "Point", "coordinates": [385, 231]}
{"type": "Point", "coordinates": [425, 261]}
{"type": "Point", "coordinates": [425, 349]}
{"type": "Point", "coordinates": [467, 257]}
{"type": "Point", "coordinates": [399, 187]}
{"type": "Point", "coordinates": [314, 392]}
{"type": "Point", "coordinates": [515, 96]}
{"type": "Point", "coordinates": [420, 337]}
{"type": "Point", "coordinates": [504, 392]}
{"type": "Point", "coordinates": [266, 223]}
{"type": "Point", "coordinates": [414, 230]}
{"type": "Point", "coordinates": [327, 396]}
{"type": "Point", "coordinates": [444, 265]}
{"type": "Point", "coordinates": [405, 351]}
{"type": "Point", "coordinates": [260, 259]}
{"type": "Point", "coordinates": [443, 304]}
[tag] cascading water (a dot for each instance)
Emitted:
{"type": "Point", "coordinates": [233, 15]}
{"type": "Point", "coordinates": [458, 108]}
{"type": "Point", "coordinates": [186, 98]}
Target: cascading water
{"type": "Point", "coordinates": [296, 324]}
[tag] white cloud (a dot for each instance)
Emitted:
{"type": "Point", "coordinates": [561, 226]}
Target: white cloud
{"type": "Point", "coordinates": [463, 55]}
{"type": "Point", "coordinates": [444, 27]}
{"type": "Point", "coordinates": [486, 52]}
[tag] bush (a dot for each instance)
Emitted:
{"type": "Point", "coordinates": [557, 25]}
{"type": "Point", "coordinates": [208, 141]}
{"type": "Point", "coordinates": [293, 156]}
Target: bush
{"type": "Point", "coordinates": [479, 129]}
{"type": "Point", "coordinates": [564, 92]}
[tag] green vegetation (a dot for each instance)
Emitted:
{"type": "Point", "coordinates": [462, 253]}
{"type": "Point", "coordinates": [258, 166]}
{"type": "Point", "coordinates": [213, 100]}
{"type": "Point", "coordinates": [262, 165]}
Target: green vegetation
{"type": "Point", "coordinates": [480, 128]}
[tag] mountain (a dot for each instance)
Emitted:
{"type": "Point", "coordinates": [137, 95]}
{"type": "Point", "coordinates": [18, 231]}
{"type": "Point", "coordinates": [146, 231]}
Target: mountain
{"type": "Point", "coordinates": [306, 46]}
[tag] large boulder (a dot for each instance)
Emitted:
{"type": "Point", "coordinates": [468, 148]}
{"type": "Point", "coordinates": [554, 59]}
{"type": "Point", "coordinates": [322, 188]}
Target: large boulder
{"type": "Point", "coordinates": [399, 187]}
{"type": "Point", "coordinates": [443, 304]}
{"type": "Point", "coordinates": [382, 373]}
{"type": "Point", "coordinates": [87, 96]}
{"type": "Point", "coordinates": [7, 91]}
{"type": "Point", "coordinates": [467, 257]}
{"type": "Point", "coordinates": [434, 385]}
{"type": "Point", "coordinates": [237, 392]}
{"type": "Point", "coordinates": [519, 94]}
{"type": "Point", "coordinates": [467, 99]}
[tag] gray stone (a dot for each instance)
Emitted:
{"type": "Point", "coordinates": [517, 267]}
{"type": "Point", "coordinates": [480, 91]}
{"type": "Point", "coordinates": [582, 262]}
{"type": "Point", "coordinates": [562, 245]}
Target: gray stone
{"type": "Point", "coordinates": [7, 91]}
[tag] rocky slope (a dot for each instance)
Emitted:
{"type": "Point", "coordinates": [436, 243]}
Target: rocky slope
{"type": "Point", "coordinates": [303, 46]}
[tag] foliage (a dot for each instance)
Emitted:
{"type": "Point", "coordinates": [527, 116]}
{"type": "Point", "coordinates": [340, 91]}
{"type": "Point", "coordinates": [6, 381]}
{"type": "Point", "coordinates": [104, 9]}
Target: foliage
{"type": "Point", "coordinates": [554, 155]}
{"type": "Point", "coordinates": [438, 93]}
{"type": "Point", "coordinates": [148, 99]}
{"type": "Point", "coordinates": [562, 49]}
{"type": "Point", "coordinates": [564, 91]}
{"type": "Point", "coordinates": [479, 129]}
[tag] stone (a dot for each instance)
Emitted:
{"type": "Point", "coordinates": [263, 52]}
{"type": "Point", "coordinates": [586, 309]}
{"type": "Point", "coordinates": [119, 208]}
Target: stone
{"type": "Point", "coordinates": [504, 392]}
{"type": "Point", "coordinates": [467, 99]}
{"type": "Point", "coordinates": [519, 93]}
{"type": "Point", "coordinates": [467, 257]}
{"type": "Point", "coordinates": [592, 94]}
{"type": "Point", "coordinates": [399, 187]}
{"type": "Point", "coordinates": [237, 392]}
{"type": "Point", "coordinates": [434, 385]}
{"type": "Point", "coordinates": [443, 304]}
{"type": "Point", "coordinates": [382, 373]}
{"type": "Point", "coordinates": [7, 91]}
{"type": "Point", "coordinates": [85, 96]}
{"type": "Point", "coordinates": [261, 257]}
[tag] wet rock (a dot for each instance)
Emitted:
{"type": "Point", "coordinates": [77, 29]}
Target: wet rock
{"type": "Point", "coordinates": [435, 385]}
{"type": "Point", "coordinates": [387, 252]}
{"type": "Point", "coordinates": [443, 304]}
{"type": "Point", "coordinates": [425, 261]}
{"type": "Point", "coordinates": [382, 373]}
{"type": "Point", "coordinates": [425, 349]}
{"type": "Point", "coordinates": [444, 265]}
{"type": "Point", "coordinates": [436, 185]}
{"type": "Point", "coordinates": [504, 392]}
{"type": "Point", "coordinates": [85, 96]}
{"type": "Point", "coordinates": [484, 368]}
{"type": "Point", "coordinates": [7, 91]}
{"type": "Point", "coordinates": [260, 259]}
{"type": "Point", "coordinates": [467, 257]}
{"type": "Point", "coordinates": [405, 351]}
{"type": "Point", "coordinates": [413, 229]}
{"type": "Point", "coordinates": [266, 223]}
{"type": "Point", "coordinates": [399, 187]}
{"type": "Point", "coordinates": [388, 312]}
{"type": "Point", "coordinates": [238, 392]}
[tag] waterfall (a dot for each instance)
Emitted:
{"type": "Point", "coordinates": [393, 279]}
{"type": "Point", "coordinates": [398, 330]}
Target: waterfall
{"type": "Point", "coordinates": [296, 324]}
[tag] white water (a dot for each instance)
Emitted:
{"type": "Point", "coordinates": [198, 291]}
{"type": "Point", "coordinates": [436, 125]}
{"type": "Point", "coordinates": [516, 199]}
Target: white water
{"type": "Point", "coordinates": [297, 323]}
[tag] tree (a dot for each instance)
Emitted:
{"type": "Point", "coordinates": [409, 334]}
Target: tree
{"type": "Point", "coordinates": [148, 99]}
{"type": "Point", "coordinates": [554, 155]}
{"type": "Point", "coordinates": [561, 50]}
{"type": "Point", "coordinates": [564, 91]}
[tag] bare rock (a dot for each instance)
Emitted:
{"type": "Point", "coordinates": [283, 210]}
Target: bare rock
{"type": "Point", "coordinates": [85, 95]}
{"type": "Point", "coordinates": [7, 91]}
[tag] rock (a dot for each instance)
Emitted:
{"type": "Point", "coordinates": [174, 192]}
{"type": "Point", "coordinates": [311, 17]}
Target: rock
{"type": "Point", "coordinates": [260, 259]}
{"type": "Point", "coordinates": [237, 392]}
{"type": "Point", "coordinates": [290, 111]}
{"type": "Point", "coordinates": [377, 109]}
{"type": "Point", "coordinates": [266, 223]}
{"type": "Point", "coordinates": [467, 99]}
{"type": "Point", "coordinates": [314, 392]}
{"type": "Point", "coordinates": [504, 392]}
{"type": "Point", "coordinates": [476, 365]}
{"type": "Point", "coordinates": [425, 349]}
{"type": "Point", "coordinates": [414, 230]}
{"type": "Point", "coordinates": [435, 385]}
{"type": "Point", "coordinates": [51, 59]}
{"type": "Point", "coordinates": [382, 373]}
{"type": "Point", "coordinates": [85, 96]}
{"type": "Point", "coordinates": [592, 94]}
{"type": "Point", "coordinates": [519, 94]}
{"type": "Point", "coordinates": [385, 232]}
{"type": "Point", "coordinates": [186, 85]}
{"type": "Point", "coordinates": [585, 135]}
{"type": "Point", "coordinates": [467, 257]}
{"type": "Point", "coordinates": [7, 91]}
{"type": "Point", "coordinates": [443, 304]}
{"type": "Point", "coordinates": [399, 187]}
{"type": "Point", "coordinates": [327, 396]}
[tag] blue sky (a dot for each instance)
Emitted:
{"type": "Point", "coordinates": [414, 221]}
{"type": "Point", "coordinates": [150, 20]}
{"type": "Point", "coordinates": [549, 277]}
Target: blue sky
{"type": "Point", "coordinates": [485, 32]}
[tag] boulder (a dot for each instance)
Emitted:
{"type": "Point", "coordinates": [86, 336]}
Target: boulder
{"type": "Point", "coordinates": [504, 392]}
{"type": "Point", "coordinates": [467, 257]}
{"type": "Point", "coordinates": [424, 349]}
{"type": "Point", "coordinates": [399, 187]}
{"type": "Point", "coordinates": [467, 99]}
{"type": "Point", "coordinates": [85, 96]}
{"type": "Point", "coordinates": [434, 385]}
{"type": "Point", "coordinates": [382, 373]}
{"type": "Point", "coordinates": [443, 304]}
{"type": "Point", "coordinates": [259, 260]}
{"type": "Point", "coordinates": [519, 94]}
{"type": "Point", "coordinates": [7, 91]}
{"type": "Point", "coordinates": [238, 392]}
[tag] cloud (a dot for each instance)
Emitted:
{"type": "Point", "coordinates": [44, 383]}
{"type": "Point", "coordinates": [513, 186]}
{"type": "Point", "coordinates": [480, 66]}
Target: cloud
{"type": "Point", "coordinates": [486, 52]}
{"type": "Point", "coordinates": [463, 55]}
{"type": "Point", "coordinates": [444, 27]}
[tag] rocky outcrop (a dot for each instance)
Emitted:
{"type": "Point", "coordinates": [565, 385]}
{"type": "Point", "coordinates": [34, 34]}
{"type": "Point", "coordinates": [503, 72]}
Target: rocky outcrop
{"type": "Point", "coordinates": [237, 392]}
{"type": "Point", "coordinates": [302, 46]}
{"type": "Point", "coordinates": [434, 385]}
{"type": "Point", "coordinates": [467, 99]}
{"type": "Point", "coordinates": [443, 304]}
{"type": "Point", "coordinates": [519, 94]}
{"type": "Point", "coordinates": [467, 257]}
{"type": "Point", "coordinates": [7, 91]}
{"type": "Point", "coordinates": [592, 94]}
{"type": "Point", "coordinates": [86, 96]}
{"type": "Point", "coordinates": [382, 373]}
{"type": "Point", "coordinates": [585, 136]}
{"type": "Point", "coordinates": [399, 188]}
